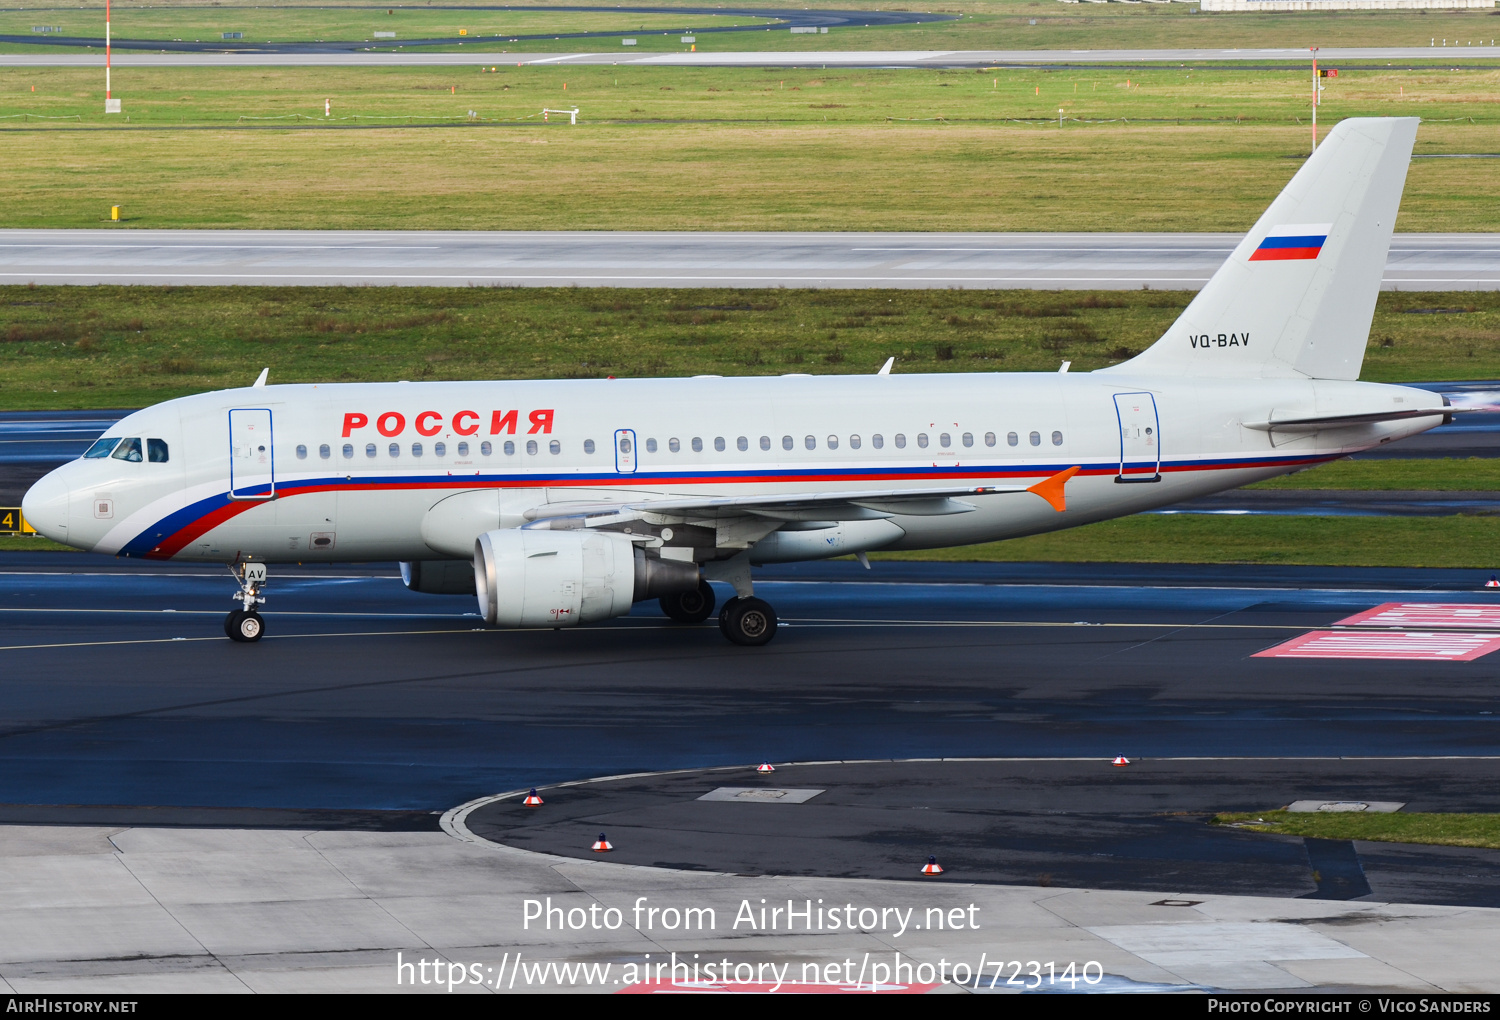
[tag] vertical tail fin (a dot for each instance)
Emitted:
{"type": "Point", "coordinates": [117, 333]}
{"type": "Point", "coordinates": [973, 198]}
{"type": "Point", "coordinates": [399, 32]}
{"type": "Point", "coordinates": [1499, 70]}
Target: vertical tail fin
{"type": "Point", "coordinates": [1296, 297]}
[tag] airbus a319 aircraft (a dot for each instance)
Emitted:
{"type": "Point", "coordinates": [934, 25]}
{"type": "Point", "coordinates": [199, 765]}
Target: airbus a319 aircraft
{"type": "Point", "coordinates": [563, 503]}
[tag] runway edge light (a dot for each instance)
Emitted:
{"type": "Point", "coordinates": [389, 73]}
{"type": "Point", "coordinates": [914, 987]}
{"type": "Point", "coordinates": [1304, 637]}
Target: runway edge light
{"type": "Point", "coordinates": [932, 867]}
{"type": "Point", "coordinates": [601, 845]}
{"type": "Point", "coordinates": [1120, 760]}
{"type": "Point", "coordinates": [1493, 582]}
{"type": "Point", "coordinates": [765, 766]}
{"type": "Point", "coordinates": [532, 800]}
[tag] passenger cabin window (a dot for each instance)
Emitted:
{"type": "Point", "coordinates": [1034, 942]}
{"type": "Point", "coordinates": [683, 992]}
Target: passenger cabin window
{"type": "Point", "coordinates": [129, 449]}
{"type": "Point", "coordinates": [968, 439]}
{"type": "Point", "coordinates": [742, 443]}
{"type": "Point", "coordinates": [348, 450]}
{"type": "Point", "coordinates": [765, 442]}
{"type": "Point", "coordinates": [811, 442]}
{"type": "Point", "coordinates": [370, 450]}
{"type": "Point", "coordinates": [854, 442]}
{"type": "Point", "coordinates": [719, 444]}
{"type": "Point", "coordinates": [1036, 439]}
{"type": "Point", "coordinates": [531, 447]}
{"type": "Point", "coordinates": [989, 439]}
{"type": "Point", "coordinates": [697, 444]}
{"type": "Point", "coordinates": [440, 449]}
{"type": "Point", "coordinates": [1010, 438]}
{"type": "Point", "coordinates": [650, 446]}
{"type": "Point", "coordinates": [101, 448]}
{"type": "Point", "coordinates": [900, 441]}
{"type": "Point", "coordinates": [1057, 439]}
{"type": "Point", "coordinates": [877, 441]}
{"type": "Point", "coordinates": [301, 452]}
{"type": "Point", "coordinates": [922, 440]}
{"type": "Point", "coordinates": [945, 440]}
{"type": "Point", "coordinates": [787, 443]}
{"type": "Point", "coordinates": [674, 444]}
{"type": "Point", "coordinates": [833, 442]}
{"type": "Point", "coordinates": [463, 449]}
{"type": "Point", "coordinates": [156, 451]}
{"type": "Point", "coordinates": [416, 449]}
{"type": "Point", "coordinates": [588, 446]}
{"type": "Point", "coordinates": [554, 447]}
{"type": "Point", "coordinates": [325, 451]}
{"type": "Point", "coordinates": [394, 449]}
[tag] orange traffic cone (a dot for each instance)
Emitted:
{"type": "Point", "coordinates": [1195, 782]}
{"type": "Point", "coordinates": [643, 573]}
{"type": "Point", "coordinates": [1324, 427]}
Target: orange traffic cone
{"type": "Point", "coordinates": [765, 766]}
{"type": "Point", "coordinates": [1493, 582]}
{"type": "Point", "coordinates": [932, 867]}
{"type": "Point", "coordinates": [601, 845]}
{"type": "Point", "coordinates": [1120, 759]}
{"type": "Point", "coordinates": [532, 800]}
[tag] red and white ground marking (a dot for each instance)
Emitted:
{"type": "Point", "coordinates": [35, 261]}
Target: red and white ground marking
{"type": "Point", "coordinates": [1425, 615]}
{"type": "Point", "coordinates": [1419, 646]}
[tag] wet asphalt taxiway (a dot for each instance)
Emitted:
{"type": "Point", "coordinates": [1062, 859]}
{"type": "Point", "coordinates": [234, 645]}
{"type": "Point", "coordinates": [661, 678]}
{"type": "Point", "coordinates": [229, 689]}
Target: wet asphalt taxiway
{"type": "Point", "coordinates": [370, 707]}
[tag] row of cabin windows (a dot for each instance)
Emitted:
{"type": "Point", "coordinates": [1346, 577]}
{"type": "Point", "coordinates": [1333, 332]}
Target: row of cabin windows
{"type": "Point", "coordinates": [944, 439]}
{"type": "Point", "coordinates": [129, 450]}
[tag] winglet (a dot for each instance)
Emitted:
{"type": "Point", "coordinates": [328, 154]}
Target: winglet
{"type": "Point", "coordinates": [1051, 489]}
{"type": "Point", "coordinates": [260, 380]}
{"type": "Point", "coordinates": [886, 368]}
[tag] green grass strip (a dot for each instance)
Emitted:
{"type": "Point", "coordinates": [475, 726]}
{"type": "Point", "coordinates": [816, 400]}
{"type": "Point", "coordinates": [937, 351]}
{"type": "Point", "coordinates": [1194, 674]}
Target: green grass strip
{"type": "Point", "coordinates": [1452, 542]}
{"type": "Point", "coordinates": [1481, 830]}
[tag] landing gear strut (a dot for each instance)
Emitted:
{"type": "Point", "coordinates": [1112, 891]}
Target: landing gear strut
{"type": "Point", "coordinates": [748, 621]}
{"type": "Point", "coordinates": [690, 606]}
{"type": "Point", "coordinates": [245, 623]}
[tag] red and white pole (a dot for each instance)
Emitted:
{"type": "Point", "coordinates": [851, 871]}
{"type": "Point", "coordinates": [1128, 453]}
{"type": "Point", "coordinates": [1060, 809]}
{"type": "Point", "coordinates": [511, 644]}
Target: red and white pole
{"type": "Point", "coordinates": [106, 49]}
{"type": "Point", "coordinates": [1314, 95]}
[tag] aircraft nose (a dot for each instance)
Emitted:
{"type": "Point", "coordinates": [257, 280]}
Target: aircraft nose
{"type": "Point", "coordinates": [45, 506]}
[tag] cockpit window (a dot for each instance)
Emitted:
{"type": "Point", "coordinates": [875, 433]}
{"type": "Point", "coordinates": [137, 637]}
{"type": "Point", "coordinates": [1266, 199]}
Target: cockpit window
{"type": "Point", "coordinates": [129, 449]}
{"type": "Point", "coordinates": [101, 448]}
{"type": "Point", "coordinates": [156, 451]}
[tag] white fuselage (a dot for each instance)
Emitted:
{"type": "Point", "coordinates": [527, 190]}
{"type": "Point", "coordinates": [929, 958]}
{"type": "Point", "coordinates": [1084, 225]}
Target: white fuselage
{"type": "Point", "coordinates": [350, 471]}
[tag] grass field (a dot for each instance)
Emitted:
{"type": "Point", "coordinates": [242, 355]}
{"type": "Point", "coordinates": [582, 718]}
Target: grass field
{"type": "Point", "coordinates": [131, 346]}
{"type": "Point", "coordinates": [723, 149]}
{"type": "Point", "coordinates": [1448, 474]}
{"type": "Point", "coordinates": [1400, 827]}
{"type": "Point", "coordinates": [984, 24]}
{"type": "Point", "coordinates": [1458, 542]}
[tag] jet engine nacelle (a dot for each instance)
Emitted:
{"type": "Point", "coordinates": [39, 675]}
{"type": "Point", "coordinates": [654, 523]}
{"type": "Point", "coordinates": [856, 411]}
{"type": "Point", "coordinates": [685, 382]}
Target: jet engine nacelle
{"type": "Point", "coordinates": [529, 577]}
{"type": "Point", "coordinates": [439, 577]}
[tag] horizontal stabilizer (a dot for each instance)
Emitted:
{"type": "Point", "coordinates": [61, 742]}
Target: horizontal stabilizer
{"type": "Point", "coordinates": [1335, 421]}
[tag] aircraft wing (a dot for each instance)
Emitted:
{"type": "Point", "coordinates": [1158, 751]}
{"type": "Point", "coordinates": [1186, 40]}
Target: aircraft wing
{"type": "Point", "coordinates": [867, 504]}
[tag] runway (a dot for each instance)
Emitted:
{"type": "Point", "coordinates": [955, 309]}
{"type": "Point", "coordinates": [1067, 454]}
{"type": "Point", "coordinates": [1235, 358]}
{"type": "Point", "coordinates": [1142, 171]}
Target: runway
{"type": "Point", "coordinates": [1425, 55]}
{"type": "Point", "coordinates": [1422, 262]}
{"type": "Point", "coordinates": [123, 694]}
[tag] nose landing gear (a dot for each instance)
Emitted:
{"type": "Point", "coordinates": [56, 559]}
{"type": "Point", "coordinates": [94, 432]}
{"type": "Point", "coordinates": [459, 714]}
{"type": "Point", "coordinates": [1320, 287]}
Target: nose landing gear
{"type": "Point", "coordinates": [245, 623]}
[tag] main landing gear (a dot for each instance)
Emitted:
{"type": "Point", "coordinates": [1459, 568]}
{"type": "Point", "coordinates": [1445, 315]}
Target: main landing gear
{"type": "Point", "coordinates": [691, 606]}
{"type": "Point", "coordinates": [748, 621]}
{"type": "Point", "coordinates": [745, 620]}
{"type": "Point", "coordinates": [245, 623]}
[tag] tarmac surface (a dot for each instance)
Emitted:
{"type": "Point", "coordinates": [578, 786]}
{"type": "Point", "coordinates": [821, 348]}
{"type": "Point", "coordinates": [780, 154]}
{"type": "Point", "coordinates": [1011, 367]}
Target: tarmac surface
{"type": "Point", "coordinates": [1424, 262]}
{"type": "Point", "coordinates": [121, 690]}
{"type": "Point", "coordinates": [1424, 55]}
{"type": "Point", "coordinates": [178, 812]}
{"type": "Point", "coordinates": [1079, 823]}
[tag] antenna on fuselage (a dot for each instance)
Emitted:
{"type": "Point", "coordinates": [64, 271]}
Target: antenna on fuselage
{"type": "Point", "coordinates": [886, 368]}
{"type": "Point", "coordinates": [260, 380]}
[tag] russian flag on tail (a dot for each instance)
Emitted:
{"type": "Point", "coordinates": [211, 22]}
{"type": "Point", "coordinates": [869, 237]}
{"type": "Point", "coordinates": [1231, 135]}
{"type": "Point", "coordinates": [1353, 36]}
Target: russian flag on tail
{"type": "Point", "coordinates": [1292, 241]}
